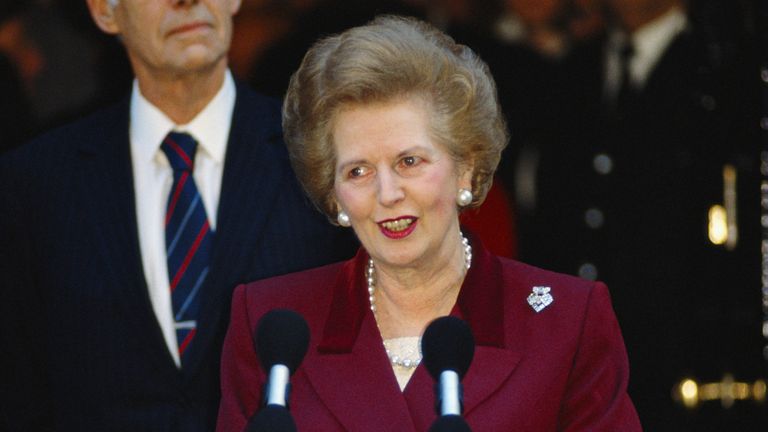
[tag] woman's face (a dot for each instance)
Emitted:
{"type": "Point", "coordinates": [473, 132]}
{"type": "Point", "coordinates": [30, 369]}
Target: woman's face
{"type": "Point", "coordinates": [397, 184]}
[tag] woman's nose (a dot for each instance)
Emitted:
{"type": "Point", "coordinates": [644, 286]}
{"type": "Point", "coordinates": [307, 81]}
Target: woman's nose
{"type": "Point", "coordinates": [390, 188]}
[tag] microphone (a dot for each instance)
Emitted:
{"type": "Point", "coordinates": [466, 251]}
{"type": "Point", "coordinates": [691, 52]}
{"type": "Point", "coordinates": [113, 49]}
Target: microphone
{"type": "Point", "coordinates": [282, 339]}
{"type": "Point", "coordinates": [447, 348]}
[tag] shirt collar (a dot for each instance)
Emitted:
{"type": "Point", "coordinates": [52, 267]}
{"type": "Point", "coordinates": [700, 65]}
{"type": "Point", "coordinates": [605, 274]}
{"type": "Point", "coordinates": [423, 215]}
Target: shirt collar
{"type": "Point", "coordinates": [149, 125]}
{"type": "Point", "coordinates": [649, 42]}
{"type": "Point", "coordinates": [653, 38]}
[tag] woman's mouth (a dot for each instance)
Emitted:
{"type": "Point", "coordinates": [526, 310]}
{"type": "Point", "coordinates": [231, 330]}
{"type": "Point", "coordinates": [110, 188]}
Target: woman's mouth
{"type": "Point", "coordinates": [398, 228]}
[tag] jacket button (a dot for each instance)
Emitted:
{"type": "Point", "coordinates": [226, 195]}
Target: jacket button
{"type": "Point", "coordinates": [588, 271]}
{"type": "Point", "coordinates": [602, 163]}
{"type": "Point", "coordinates": [594, 218]}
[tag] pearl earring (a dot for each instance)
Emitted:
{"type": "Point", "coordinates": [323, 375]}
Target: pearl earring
{"type": "Point", "coordinates": [464, 198]}
{"type": "Point", "coordinates": [343, 219]}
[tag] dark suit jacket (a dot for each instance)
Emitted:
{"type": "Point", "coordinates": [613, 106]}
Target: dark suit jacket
{"type": "Point", "coordinates": [564, 368]}
{"type": "Point", "coordinates": [85, 352]}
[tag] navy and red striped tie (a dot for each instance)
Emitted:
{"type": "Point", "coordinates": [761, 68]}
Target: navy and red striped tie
{"type": "Point", "coordinates": [188, 239]}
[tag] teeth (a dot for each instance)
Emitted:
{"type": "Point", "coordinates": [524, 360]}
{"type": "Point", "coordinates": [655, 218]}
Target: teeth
{"type": "Point", "coordinates": [398, 225]}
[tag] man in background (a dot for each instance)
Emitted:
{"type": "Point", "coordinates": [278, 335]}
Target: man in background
{"type": "Point", "coordinates": [658, 139]}
{"type": "Point", "coordinates": [124, 233]}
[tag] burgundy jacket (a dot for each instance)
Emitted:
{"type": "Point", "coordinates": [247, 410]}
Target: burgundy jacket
{"type": "Point", "coordinates": [561, 369]}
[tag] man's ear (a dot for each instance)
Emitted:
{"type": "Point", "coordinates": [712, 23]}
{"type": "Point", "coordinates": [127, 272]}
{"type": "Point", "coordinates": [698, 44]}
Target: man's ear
{"type": "Point", "coordinates": [103, 14]}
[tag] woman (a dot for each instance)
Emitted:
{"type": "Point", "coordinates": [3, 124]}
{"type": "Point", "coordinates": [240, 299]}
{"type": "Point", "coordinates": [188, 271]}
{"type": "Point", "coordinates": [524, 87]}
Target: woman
{"type": "Point", "coordinates": [393, 129]}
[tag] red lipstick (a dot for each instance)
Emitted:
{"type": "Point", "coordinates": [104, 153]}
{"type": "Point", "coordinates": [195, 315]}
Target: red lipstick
{"type": "Point", "coordinates": [398, 234]}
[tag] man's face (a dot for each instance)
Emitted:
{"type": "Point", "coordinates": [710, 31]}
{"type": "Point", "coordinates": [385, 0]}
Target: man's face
{"type": "Point", "coordinates": [174, 36]}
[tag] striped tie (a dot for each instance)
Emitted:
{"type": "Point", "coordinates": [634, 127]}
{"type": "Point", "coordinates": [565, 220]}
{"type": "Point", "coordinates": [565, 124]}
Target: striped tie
{"type": "Point", "coordinates": [188, 239]}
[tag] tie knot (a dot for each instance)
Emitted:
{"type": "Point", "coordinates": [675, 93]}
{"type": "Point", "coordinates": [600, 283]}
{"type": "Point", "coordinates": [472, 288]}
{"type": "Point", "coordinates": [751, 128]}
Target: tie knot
{"type": "Point", "coordinates": [180, 149]}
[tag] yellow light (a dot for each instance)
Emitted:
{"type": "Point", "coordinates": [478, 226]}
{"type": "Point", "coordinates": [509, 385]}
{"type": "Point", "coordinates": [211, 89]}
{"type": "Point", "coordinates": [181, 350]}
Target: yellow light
{"type": "Point", "coordinates": [718, 225]}
{"type": "Point", "coordinates": [742, 391]}
{"type": "Point", "coordinates": [758, 391]}
{"type": "Point", "coordinates": [727, 391]}
{"type": "Point", "coordinates": [689, 393]}
{"type": "Point", "coordinates": [710, 391]}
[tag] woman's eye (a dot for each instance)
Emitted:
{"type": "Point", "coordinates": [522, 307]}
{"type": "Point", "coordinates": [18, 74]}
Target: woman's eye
{"type": "Point", "coordinates": [356, 172]}
{"type": "Point", "coordinates": [410, 161]}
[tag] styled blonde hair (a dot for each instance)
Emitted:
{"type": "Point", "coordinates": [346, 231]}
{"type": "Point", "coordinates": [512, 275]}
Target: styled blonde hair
{"type": "Point", "coordinates": [390, 59]}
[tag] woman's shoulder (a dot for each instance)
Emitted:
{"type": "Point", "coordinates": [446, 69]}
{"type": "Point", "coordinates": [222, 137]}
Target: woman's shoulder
{"type": "Point", "coordinates": [527, 272]}
{"type": "Point", "coordinates": [302, 282]}
{"type": "Point", "coordinates": [533, 283]}
{"type": "Point", "coordinates": [296, 291]}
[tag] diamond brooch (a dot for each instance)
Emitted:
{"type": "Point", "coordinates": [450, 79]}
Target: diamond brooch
{"type": "Point", "coordinates": [540, 298]}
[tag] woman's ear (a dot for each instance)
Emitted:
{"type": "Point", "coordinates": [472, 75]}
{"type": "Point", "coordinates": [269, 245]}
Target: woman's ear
{"type": "Point", "coordinates": [103, 14]}
{"type": "Point", "coordinates": [466, 172]}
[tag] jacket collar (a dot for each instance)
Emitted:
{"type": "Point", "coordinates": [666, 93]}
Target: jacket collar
{"type": "Point", "coordinates": [480, 302]}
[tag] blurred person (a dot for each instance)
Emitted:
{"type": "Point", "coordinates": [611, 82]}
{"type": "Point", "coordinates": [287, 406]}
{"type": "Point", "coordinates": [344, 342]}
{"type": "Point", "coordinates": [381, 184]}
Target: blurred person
{"type": "Point", "coordinates": [313, 19]}
{"type": "Point", "coordinates": [257, 26]}
{"type": "Point", "coordinates": [536, 23]}
{"type": "Point", "coordinates": [585, 19]}
{"type": "Point", "coordinates": [125, 232]}
{"type": "Point", "coordinates": [15, 118]}
{"type": "Point", "coordinates": [19, 62]}
{"type": "Point", "coordinates": [658, 111]}
{"type": "Point", "coordinates": [62, 71]}
{"type": "Point", "coordinates": [393, 130]}
{"type": "Point", "coordinates": [529, 55]}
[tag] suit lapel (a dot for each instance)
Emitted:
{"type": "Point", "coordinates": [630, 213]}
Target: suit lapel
{"type": "Point", "coordinates": [106, 181]}
{"type": "Point", "coordinates": [249, 187]}
{"type": "Point", "coordinates": [250, 182]}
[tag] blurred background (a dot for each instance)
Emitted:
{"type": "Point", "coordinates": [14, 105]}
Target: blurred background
{"type": "Point", "coordinates": [638, 156]}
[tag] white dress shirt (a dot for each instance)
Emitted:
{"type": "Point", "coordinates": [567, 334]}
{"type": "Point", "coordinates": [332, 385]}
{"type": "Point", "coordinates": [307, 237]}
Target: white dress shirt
{"type": "Point", "coordinates": [649, 43]}
{"type": "Point", "coordinates": [153, 177]}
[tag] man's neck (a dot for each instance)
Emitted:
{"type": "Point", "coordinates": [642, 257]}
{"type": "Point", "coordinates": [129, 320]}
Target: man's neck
{"type": "Point", "coordinates": [182, 96]}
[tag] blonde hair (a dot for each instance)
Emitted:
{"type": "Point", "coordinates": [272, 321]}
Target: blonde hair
{"type": "Point", "coordinates": [388, 59]}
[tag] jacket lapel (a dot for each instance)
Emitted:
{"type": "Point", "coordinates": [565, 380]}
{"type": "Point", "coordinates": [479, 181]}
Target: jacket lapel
{"type": "Point", "coordinates": [358, 386]}
{"type": "Point", "coordinates": [106, 180]}
{"type": "Point", "coordinates": [349, 369]}
{"type": "Point", "coordinates": [481, 304]}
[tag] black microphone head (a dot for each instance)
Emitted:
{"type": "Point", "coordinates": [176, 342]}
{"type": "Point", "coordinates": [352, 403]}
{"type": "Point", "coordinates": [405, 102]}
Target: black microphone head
{"type": "Point", "coordinates": [273, 418]}
{"type": "Point", "coordinates": [282, 338]}
{"type": "Point", "coordinates": [447, 344]}
{"type": "Point", "coordinates": [450, 423]}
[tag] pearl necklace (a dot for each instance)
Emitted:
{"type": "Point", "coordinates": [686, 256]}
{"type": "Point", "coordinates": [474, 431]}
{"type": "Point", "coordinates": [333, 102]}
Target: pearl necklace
{"type": "Point", "coordinates": [395, 359]}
